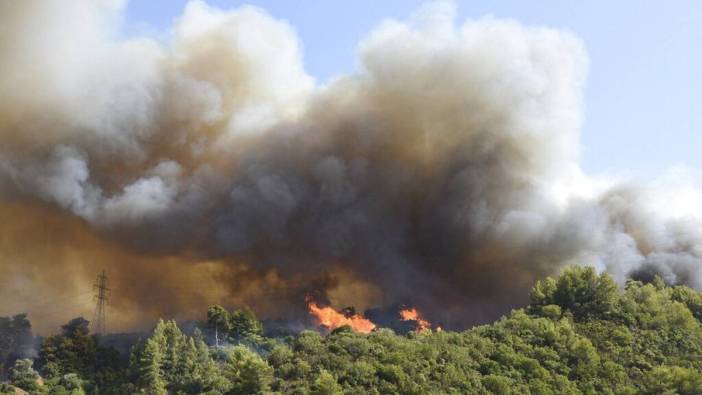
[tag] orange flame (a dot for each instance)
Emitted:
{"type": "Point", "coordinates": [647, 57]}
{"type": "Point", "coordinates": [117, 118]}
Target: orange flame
{"type": "Point", "coordinates": [332, 319]}
{"type": "Point", "coordinates": [414, 315]}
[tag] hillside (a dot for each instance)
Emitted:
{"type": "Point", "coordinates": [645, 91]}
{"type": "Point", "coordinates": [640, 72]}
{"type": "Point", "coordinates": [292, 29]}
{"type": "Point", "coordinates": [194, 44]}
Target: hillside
{"type": "Point", "coordinates": [580, 334]}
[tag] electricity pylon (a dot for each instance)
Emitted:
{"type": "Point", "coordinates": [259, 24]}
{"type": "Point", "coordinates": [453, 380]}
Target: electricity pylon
{"type": "Point", "coordinates": [101, 300]}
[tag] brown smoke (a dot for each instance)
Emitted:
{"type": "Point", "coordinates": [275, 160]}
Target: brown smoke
{"type": "Point", "coordinates": [211, 169]}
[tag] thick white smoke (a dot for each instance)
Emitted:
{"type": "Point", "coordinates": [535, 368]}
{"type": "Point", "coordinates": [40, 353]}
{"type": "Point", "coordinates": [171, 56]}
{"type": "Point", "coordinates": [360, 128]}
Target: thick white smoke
{"type": "Point", "coordinates": [444, 172]}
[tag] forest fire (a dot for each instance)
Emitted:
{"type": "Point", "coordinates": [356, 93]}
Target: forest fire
{"type": "Point", "coordinates": [413, 315]}
{"type": "Point", "coordinates": [332, 319]}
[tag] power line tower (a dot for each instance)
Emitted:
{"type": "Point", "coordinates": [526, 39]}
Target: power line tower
{"type": "Point", "coordinates": [101, 296]}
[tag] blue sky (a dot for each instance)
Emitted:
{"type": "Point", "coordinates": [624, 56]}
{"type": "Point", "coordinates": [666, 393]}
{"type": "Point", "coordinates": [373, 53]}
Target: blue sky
{"type": "Point", "coordinates": [643, 100]}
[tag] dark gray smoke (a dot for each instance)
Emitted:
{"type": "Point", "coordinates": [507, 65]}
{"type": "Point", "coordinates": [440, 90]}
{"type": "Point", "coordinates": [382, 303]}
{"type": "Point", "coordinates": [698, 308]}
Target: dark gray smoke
{"type": "Point", "coordinates": [210, 168]}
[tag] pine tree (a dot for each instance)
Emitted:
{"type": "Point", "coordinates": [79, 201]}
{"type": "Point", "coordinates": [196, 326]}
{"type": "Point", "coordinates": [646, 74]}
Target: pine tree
{"type": "Point", "coordinates": [210, 376]}
{"type": "Point", "coordinates": [219, 320]}
{"type": "Point", "coordinates": [146, 366]}
{"type": "Point", "coordinates": [245, 324]}
{"type": "Point", "coordinates": [247, 371]}
{"type": "Point", "coordinates": [173, 344]}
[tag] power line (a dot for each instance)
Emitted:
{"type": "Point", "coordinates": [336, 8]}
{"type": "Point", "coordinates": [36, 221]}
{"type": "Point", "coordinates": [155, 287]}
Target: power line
{"type": "Point", "coordinates": [99, 321]}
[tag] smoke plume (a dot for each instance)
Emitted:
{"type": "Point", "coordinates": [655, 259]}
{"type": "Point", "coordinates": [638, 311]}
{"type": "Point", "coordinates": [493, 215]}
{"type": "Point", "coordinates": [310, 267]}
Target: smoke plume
{"type": "Point", "coordinates": [208, 167]}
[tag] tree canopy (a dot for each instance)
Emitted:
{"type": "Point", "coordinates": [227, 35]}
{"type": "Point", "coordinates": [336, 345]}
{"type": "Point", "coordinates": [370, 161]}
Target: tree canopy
{"type": "Point", "coordinates": [580, 334]}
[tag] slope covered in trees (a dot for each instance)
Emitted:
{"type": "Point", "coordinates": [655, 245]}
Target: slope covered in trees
{"type": "Point", "coordinates": [579, 334]}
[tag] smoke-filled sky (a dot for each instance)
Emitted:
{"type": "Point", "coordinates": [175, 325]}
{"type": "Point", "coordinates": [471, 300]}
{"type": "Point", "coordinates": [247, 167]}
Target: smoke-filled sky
{"type": "Point", "coordinates": [207, 165]}
{"type": "Point", "coordinates": [644, 59]}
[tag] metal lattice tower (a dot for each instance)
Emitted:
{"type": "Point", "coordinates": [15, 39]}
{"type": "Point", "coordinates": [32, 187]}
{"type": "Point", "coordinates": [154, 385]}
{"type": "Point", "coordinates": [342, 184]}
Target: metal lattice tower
{"type": "Point", "coordinates": [101, 300]}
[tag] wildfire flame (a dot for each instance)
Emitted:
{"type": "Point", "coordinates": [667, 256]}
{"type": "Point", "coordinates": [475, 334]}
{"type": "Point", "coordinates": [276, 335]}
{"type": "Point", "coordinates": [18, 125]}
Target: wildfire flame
{"type": "Point", "coordinates": [332, 319]}
{"type": "Point", "coordinates": [413, 315]}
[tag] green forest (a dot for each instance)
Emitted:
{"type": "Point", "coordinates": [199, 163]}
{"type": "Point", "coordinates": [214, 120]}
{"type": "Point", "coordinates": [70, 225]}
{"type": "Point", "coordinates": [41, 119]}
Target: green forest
{"type": "Point", "coordinates": [580, 334]}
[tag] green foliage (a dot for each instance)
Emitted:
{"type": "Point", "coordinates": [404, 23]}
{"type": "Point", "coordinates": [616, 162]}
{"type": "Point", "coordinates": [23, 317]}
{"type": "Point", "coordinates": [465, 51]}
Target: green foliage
{"type": "Point", "coordinates": [690, 298]}
{"type": "Point", "coordinates": [16, 340]}
{"type": "Point", "coordinates": [74, 350]}
{"type": "Point", "coordinates": [69, 384]}
{"type": "Point", "coordinates": [24, 376]}
{"type": "Point", "coordinates": [326, 384]}
{"type": "Point", "coordinates": [218, 318]}
{"type": "Point", "coordinates": [245, 324]}
{"type": "Point", "coordinates": [674, 380]}
{"type": "Point", "coordinates": [247, 371]}
{"type": "Point", "coordinates": [580, 334]}
{"type": "Point", "coordinates": [579, 290]}
{"type": "Point", "coordinates": [145, 363]}
{"type": "Point", "coordinates": [171, 362]}
{"type": "Point", "coordinates": [239, 326]}
{"type": "Point", "coordinates": [7, 389]}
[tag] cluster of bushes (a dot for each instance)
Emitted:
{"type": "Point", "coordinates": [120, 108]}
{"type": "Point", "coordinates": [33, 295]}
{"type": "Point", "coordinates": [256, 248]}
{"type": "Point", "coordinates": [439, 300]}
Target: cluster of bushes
{"type": "Point", "coordinates": [580, 334]}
